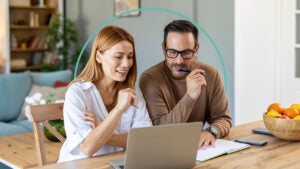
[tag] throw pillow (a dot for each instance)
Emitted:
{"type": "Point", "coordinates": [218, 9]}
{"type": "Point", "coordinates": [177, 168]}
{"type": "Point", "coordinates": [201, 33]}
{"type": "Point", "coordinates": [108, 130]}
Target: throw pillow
{"type": "Point", "coordinates": [13, 88]}
{"type": "Point", "coordinates": [42, 95]}
{"type": "Point", "coordinates": [48, 78]}
{"type": "Point", "coordinates": [60, 83]}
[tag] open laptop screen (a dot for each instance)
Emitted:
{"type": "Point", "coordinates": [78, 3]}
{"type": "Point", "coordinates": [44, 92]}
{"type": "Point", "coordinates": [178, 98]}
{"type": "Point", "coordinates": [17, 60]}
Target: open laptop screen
{"type": "Point", "coordinates": [165, 146]}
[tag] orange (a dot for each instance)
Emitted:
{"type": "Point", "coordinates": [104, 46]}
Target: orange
{"type": "Point", "coordinates": [291, 112]}
{"type": "Point", "coordinates": [277, 107]}
{"type": "Point", "coordinates": [297, 117]}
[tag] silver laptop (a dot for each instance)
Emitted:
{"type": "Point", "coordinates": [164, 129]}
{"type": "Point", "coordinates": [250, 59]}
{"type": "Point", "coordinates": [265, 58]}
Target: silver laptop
{"type": "Point", "coordinates": [161, 147]}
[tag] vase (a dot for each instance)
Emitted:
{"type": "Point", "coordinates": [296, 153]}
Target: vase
{"type": "Point", "coordinates": [41, 3]}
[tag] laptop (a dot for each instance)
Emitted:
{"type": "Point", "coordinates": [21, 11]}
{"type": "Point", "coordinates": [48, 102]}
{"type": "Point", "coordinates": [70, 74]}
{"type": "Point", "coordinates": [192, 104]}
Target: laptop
{"type": "Point", "coordinates": [160, 147]}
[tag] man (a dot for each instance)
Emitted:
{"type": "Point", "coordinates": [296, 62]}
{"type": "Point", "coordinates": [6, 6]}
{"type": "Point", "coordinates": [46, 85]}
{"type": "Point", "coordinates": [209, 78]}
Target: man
{"type": "Point", "coordinates": [181, 89]}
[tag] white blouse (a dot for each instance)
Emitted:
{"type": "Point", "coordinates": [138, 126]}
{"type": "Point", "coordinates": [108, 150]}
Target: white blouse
{"type": "Point", "coordinates": [84, 96]}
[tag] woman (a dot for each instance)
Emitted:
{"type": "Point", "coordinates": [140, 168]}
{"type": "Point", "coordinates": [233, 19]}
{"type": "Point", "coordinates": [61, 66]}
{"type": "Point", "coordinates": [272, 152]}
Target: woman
{"type": "Point", "coordinates": [101, 104]}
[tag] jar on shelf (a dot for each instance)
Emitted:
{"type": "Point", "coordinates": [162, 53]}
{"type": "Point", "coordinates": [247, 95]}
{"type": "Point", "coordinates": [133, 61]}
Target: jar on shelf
{"type": "Point", "coordinates": [31, 19]}
{"type": "Point", "coordinates": [13, 41]}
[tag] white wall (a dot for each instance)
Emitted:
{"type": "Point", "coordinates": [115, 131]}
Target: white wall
{"type": "Point", "coordinates": [147, 28]}
{"type": "Point", "coordinates": [256, 58]}
{"type": "Point", "coordinates": [215, 16]}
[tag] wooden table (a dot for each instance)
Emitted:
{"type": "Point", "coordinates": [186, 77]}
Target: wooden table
{"type": "Point", "coordinates": [18, 151]}
{"type": "Point", "coordinates": [276, 154]}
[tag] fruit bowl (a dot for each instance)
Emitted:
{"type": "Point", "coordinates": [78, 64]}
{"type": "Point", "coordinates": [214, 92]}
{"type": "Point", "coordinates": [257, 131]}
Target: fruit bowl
{"type": "Point", "coordinates": [286, 129]}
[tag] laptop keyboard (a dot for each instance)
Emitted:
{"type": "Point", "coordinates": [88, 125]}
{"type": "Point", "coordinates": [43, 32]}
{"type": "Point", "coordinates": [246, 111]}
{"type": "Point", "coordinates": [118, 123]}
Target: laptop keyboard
{"type": "Point", "coordinates": [117, 164]}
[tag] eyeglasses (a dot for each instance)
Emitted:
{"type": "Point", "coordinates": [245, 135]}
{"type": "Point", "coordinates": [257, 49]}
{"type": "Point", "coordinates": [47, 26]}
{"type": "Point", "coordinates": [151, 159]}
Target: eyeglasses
{"type": "Point", "coordinates": [185, 54]}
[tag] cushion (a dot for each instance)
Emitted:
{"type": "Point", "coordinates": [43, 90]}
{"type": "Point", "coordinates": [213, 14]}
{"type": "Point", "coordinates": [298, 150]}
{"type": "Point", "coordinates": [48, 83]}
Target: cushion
{"type": "Point", "coordinates": [48, 94]}
{"type": "Point", "coordinates": [23, 123]}
{"type": "Point", "coordinates": [49, 78]}
{"type": "Point", "coordinates": [14, 88]}
{"type": "Point", "coordinates": [11, 129]}
{"type": "Point", "coordinates": [60, 84]}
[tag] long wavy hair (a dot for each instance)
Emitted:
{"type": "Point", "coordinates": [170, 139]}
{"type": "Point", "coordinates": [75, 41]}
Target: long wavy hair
{"type": "Point", "coordinates": [104, 40]}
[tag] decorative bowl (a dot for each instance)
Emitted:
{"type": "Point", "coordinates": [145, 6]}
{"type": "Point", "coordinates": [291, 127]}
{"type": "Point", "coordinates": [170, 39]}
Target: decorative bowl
{"type": "Point", "coordinates": [286, 129]}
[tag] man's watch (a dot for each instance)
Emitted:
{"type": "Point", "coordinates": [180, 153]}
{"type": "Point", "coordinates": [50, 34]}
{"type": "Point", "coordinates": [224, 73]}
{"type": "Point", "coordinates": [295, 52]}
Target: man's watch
{"type": "Point", "coordinates": [213, 131]}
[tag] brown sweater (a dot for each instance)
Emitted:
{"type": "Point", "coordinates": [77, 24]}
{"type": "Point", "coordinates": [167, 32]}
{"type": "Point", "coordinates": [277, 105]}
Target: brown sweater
{"type": "Point", "coordinates": [167, 101]}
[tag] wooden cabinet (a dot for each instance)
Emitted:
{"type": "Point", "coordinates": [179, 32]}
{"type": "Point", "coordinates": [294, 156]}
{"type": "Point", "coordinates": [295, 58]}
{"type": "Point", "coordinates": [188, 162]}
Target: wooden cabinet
{"type": "Point", "coordinates": [28, 28]}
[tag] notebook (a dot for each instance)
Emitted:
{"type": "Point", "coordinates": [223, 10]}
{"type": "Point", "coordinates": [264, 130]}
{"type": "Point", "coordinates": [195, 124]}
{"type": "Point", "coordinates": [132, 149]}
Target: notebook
{"type": "Point", "coordinates": [222, 147]}
{"type": "Point", "coordinates": [164, 146]}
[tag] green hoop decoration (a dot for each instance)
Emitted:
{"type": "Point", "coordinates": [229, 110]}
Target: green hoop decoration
{"type": "Point", "coordinates": [155, 9]}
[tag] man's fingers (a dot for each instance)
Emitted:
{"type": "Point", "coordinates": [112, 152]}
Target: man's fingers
{"type": "Point", "coordinates": [206, 140]}
{"type": "Point", "coordinates": [204, 144]}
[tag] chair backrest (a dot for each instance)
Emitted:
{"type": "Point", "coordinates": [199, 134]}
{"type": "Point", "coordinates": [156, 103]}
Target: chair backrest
{"type": "Point", "coordinates": [40, 114]}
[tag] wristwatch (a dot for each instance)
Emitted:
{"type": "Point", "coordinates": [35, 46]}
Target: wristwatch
{"type": "Point", "coordinates": [213, 131]}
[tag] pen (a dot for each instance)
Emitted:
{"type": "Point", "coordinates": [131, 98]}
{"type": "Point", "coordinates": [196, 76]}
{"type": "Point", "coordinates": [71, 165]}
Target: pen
{"type": "Point", "coordinates": [188, 71]}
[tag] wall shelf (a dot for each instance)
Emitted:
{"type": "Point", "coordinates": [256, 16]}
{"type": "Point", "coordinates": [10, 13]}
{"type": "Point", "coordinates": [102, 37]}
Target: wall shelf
{"type": "Point", "coordinates": [28, 26]}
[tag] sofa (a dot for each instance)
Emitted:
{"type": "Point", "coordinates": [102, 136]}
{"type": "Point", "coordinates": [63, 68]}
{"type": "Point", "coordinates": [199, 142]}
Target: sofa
{"type": "Point", "coordinates": [14, 88]}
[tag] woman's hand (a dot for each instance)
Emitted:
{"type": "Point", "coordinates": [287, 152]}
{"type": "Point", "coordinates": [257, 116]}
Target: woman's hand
{"type": "Point", "coordinates": [126, 98]}
{"type": "Point", "coordinates": [91, 119]}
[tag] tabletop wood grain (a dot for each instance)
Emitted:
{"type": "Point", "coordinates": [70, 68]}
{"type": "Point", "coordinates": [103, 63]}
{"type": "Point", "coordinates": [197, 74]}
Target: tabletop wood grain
{"type": "Point", "coordinates": [19, 150]}
{"type": "Point", "coordinates": [276, 154]}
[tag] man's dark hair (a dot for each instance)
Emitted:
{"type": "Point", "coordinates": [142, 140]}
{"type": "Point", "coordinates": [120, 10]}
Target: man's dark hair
{"type": "Point", "coordinates": [180, 26]}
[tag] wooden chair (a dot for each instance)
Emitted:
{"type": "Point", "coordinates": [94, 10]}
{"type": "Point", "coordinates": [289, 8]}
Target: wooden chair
{"type": "Point", "coordinates": [40, 114]}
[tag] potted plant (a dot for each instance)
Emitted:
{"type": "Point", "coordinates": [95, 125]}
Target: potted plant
{"type": "Point", "coordinates": [62, 40]}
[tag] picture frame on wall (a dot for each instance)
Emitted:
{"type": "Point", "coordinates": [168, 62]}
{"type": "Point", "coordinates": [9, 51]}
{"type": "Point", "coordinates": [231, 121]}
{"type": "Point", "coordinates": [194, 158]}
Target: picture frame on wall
{"type": "Point", "coordinates": [121, 6]}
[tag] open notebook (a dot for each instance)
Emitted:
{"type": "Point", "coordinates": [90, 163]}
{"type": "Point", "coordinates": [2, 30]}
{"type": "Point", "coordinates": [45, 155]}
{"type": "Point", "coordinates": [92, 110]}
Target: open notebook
{"type": "Point", "coordinates": [222, 147]}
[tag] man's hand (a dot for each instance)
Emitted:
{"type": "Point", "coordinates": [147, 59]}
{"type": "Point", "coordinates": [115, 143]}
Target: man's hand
{"type": "Point", "coordinates": [206, 139]}
{"type": "Point", "coordinates": [194, 81]}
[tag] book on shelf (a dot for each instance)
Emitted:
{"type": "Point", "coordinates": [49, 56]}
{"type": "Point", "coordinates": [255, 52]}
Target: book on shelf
{"type": "Point", "coordinates": [37, 58]}
{"type": "Point", "coordinates": [37, 42]}
{"type": "Point", "coordinates": [33, 41]}
{"type": "Point", "coordinates": [42, 42]}
{"type": "Point", "coordinates": [50, 58]}
{"type": "Point", "coordinates": [50, 18]}
{"type": "Point", "coordinates": [222, 147]}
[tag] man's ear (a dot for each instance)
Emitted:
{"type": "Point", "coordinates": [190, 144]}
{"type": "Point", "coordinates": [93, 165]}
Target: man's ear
{"type": "Point", "coordinates": [197, 48]}
{"type": "Point", "coordinates": [98, 57]}
{"type": "Point", "coordinates": [163, 47]}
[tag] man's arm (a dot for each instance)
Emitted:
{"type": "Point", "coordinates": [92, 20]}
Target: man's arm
{"type": "Point", "coordinates": [219, 117]}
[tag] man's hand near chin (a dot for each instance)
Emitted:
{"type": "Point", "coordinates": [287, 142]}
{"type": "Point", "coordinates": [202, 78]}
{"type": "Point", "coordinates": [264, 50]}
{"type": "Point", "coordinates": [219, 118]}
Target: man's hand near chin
{"type": "Point", "coordinates": [206, 139]}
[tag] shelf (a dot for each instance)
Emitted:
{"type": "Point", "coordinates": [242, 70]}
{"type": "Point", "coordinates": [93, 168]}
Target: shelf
{"type": "Point", "coordinates": [32, 7]}
{"type": "Point", "coordinates": [29, 49]}
{"type": "Point", "coordinates": [25, 27]}
{"type": "Point", "coordinates": [33, 67]}
{"type": "Point", "coordinates": [30, 24]}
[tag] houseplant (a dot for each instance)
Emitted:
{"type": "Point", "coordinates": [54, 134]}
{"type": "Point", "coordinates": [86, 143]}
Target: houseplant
{"type": "Point", "coordinates": [62, 40]}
